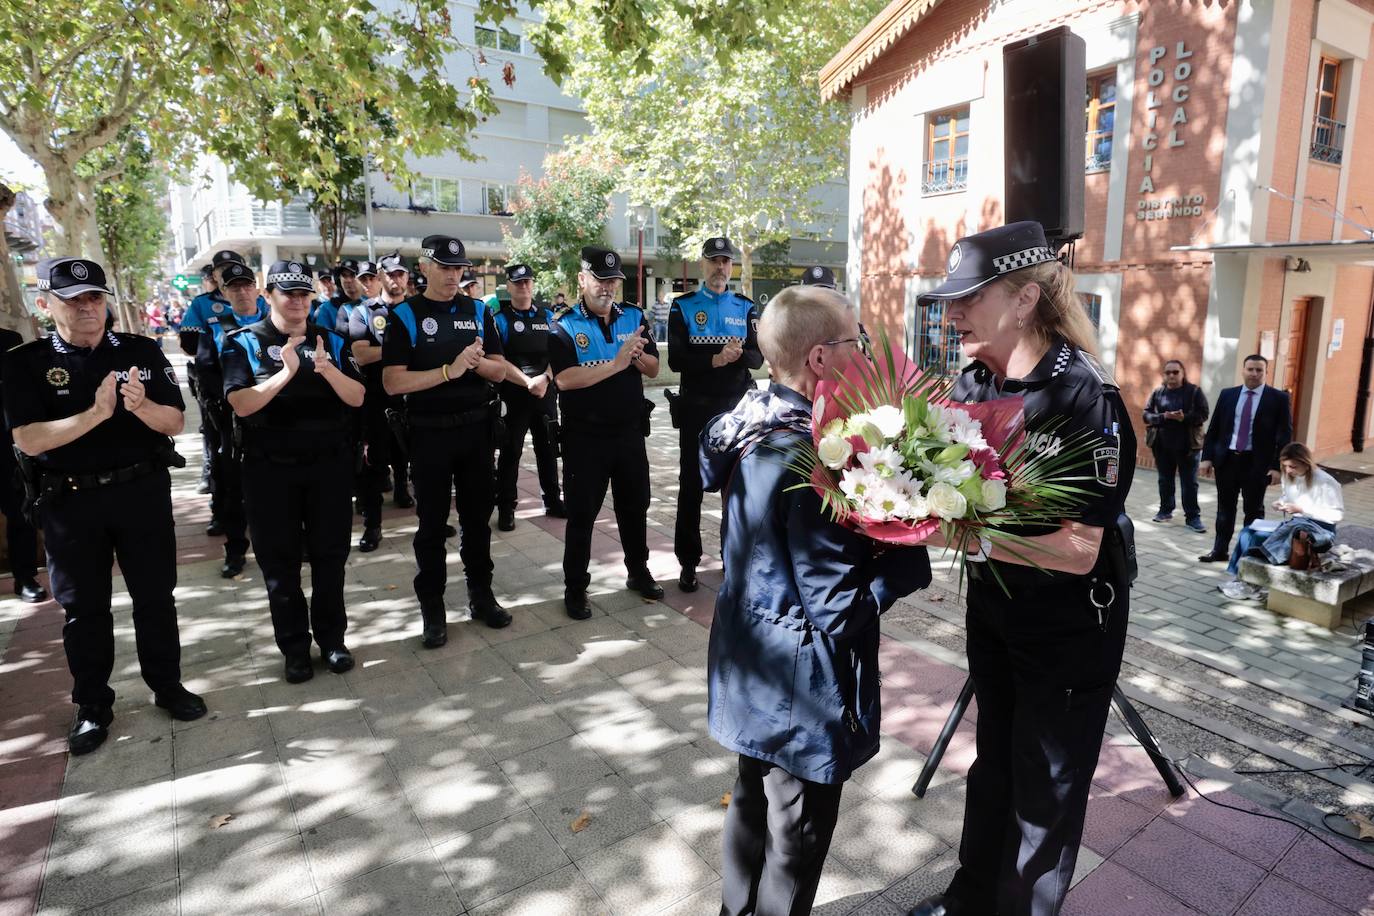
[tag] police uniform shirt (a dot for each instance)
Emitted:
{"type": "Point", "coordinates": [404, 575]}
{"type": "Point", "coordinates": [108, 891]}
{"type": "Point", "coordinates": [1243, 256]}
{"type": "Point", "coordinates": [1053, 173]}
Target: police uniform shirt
{"type": "Point", "coordinates": [580, 338]}
{"type": "Point", "coordinates": [212, 344]}
{"type": "Point", "coordinates": [50, 379]}
{"type": "Point", "coordinates": [699, 325]}
{"type": "Point", "coordinates": [202, 311]}
{"type": "Point", "coordinates": [423, 334]}
{"type": "Point", "coordinates": [1070, 402]}
{"type": "Point", "coordinates": [307, 411]}
{"type": "Point", "coordinates": [367, 323]}
{"type": "Point", "coordinates": [525, 336]}
{"type": "Point", "coordinates": [326, 314]}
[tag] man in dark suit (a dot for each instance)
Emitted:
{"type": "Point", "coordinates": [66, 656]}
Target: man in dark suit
{"type": "Point", "coordinates": [1251, 423]}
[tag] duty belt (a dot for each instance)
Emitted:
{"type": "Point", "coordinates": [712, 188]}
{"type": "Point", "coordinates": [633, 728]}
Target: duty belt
{"type": "Point", "coordinates": [449, 420]}
{"type": "Point", "coordinates": [97, 479]}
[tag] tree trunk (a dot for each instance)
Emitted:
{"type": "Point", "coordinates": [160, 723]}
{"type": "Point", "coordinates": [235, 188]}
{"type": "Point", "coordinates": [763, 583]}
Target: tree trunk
{"type": "Point", "coordinates": [16, 314]}
{"type": "Point", "coordinates": [746, 270]}
{"type": "Point", "coordinates": [71, 202]}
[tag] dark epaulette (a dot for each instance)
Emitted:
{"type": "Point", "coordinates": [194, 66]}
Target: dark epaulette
{"type": "Point", "coordinates": [562, 312]}
{"type": "Point", "coordinates": [685, 296]}
{"type": "Point", "coordinates": [739, 295]}
{"type": "Point", "coordinates": [29, 344]}
{"type": "Point", "coordinates": [238, 330]}
{"type": "Point", "coordinates": [1097, 369]}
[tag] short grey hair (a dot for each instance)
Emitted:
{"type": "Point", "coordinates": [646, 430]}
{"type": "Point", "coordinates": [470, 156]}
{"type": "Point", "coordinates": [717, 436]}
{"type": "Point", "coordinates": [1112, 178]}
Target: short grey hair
{"type": "Point", "coordinates": [797, 319]}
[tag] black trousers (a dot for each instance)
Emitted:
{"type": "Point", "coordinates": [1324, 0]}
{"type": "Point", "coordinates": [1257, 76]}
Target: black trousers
{"type": "Point", "coordinates": [777, 834]}
{"type": "Point", "coordinates": [381, 452]}
{"type": "Point", "coordinates": [20, 535]}
{"type": "Point", "coordinates": [593, 458]}
{"type": "Point", "coordinates": [1238, 478]}
{"type": "Point", "coordinates": [212, 446]}
{"type": "Point", "coordinates": [226, 501]}
{"type": "Point", "coordinates": [85, 531]}
{"type": "Point", "coordinates": [291, 505]}
{"type": "Point", "coordinates": [1183, 464]}
{"type": "Point", "coordinates": [693, 415]}
{"type": "Point", "coordinates": [1043, 671]}
{"type": "Point", "coordinates": [445, 462]}
{"type": "Point", "coordinates": [526, 413]}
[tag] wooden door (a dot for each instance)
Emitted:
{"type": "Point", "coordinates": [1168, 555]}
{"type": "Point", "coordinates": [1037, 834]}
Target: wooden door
{"type": "Point", "coordinates": [1295, 356]}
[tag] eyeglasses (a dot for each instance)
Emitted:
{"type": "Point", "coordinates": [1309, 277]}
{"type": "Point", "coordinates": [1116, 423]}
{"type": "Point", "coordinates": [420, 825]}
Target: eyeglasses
{"type": "Point", "coordinates": [865, 344]}
{"type": "Point", "coordinates": [1173, 371]}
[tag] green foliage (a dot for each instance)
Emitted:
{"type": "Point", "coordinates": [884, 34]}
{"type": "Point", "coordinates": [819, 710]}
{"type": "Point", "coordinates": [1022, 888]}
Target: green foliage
{"type": "Point", "coordinates": [129, 213]}
{"type": "Point", "coordinates": [558, 214]}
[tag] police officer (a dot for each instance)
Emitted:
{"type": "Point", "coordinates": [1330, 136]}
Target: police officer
{"type": "Point", "coordinates": [469, 285]}
{"type": "Point", "coordinates": [371, 278]}
{"type": "Point", "coordinates": [1043, 653]}
{"type": "Point", "coordinates": [291, 385]}
{"type": "Point", "coordinates": [194, 323]}
{"type": "Point", "coordinates": [712, 344]}
{"type": "Point", "coordinates": [350, 293]}
{"type": "Point", "coordinates": [19, 533]}
{"type": "Point", "coordinates": [367, 332]}
{"type": "Point", "coordinates": [819, 276]}
{"type": "Point", "coordinates": [239, 285]}
{"type": "Point", "coordinates": [93, 410]}
{"type": "Point", "coordinates": [529, 395]}
{"type": "Point", "coordinates": [600, 352]}
{"type": "Point", "coordinates": [367, 288]}
{"type": "Point", "coordinates": [443, 354]}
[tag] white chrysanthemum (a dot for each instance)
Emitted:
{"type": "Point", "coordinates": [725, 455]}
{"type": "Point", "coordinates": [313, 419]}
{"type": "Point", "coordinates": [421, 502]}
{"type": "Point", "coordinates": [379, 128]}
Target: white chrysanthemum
{"type": "Point", "coordinates": [954, 476]}
{"type": "Point", "coordinates": [918, 508]}
{"type": "Point", "coordinates": [889, 420]}
{"type": "Point", "coordinates": [835, 452]}
{"type": "Point", "coordinates": [965, 430]}
{"type": "Point", "coordinates": [946, 501]}
{"type": "Point", "coordinates": [855, 484]}
{"type": "Point", "coordinates": [883, 461]}
{"type": "Point", "coordinates": [885, 502]}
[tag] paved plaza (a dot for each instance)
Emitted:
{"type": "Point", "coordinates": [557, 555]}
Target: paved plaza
{"type": "Point", "coordinates": [564, 767]}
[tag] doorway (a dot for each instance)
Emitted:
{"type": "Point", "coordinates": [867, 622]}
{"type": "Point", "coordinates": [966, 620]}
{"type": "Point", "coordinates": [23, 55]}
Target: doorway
{"type": "Point", "coordinates": [1295, 358]}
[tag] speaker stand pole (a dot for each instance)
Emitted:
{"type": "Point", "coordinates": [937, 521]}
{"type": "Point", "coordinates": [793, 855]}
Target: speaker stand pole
{"type": "Point", "coordinates": [1128, 714]}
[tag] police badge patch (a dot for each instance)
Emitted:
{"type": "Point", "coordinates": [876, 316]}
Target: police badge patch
{"type": "Point", "coordinates": [610, 259]}
{"type": "Point", "coordinates": [429, 325]}
{"type": "Point", "coordinates": [170, 373]}
{"type": "Point", "coordinates": [1106, 462]}
{"type": "Point", "coordinates": [59, 377]}
{"type": "Point", "coordinates": [217, 308]}
{"type": "Point", "coordinates": [582, 341]}
{"type": "Point", "coordinates": [379, 322]}
{"type": "Point", "coordinates": [956, 254]}
{"type": "Point", "coordinates": [700, 319]}
{"type": "Point", "coordinates": [274, 353]}
{"type": "Point", "coordinates": [79, 271]}
{"type": "Point", "coordinates": [519, 327]}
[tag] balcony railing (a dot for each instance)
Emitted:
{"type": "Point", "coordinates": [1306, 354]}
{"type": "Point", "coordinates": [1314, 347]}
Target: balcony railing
{"type": "Point", "coordinates": [1099, 147]}
{"type": "Point", "coordinates": [945, 175]}
{"type": "Point", "coordinates": [1328, 140]}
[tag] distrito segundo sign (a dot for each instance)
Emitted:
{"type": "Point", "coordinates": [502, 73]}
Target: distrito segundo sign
{"type": "Point", "coordinates": [1162, 136]}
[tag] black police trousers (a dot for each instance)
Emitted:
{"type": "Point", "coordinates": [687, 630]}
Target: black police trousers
{"type": "Point", "coordinates": [295, 505]}
{"type": "Point", "coordinates": [1043, 670]}
{"type": "Point", "coordinates": [19, 534]}
{"type": "Point", "coordinates": [777, 834]}
{"type": "Point", "coordinates": [448, 466]}
{"type": "Point", "coordinates": [226, 500]}
{"type": "Point", "coordinates": [381, 453]}
{"type": "Point", "coordinates": [85, 531]}
{"type": "Point", "coordinates": [693, 415]}
{"type": "Point", "coordinates": [526, 413]}
{"type": "Point", "coordinates": [594, 457]}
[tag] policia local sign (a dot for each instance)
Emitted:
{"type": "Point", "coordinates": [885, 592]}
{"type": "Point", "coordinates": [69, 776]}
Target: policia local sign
{"type": "Point", "coordinates": [1161, 136]}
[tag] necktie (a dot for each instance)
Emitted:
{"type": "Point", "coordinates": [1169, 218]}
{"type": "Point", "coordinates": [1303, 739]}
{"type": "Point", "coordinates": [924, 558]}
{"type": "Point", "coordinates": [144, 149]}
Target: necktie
{"type": "Point", "coordinates": [1246, 412]}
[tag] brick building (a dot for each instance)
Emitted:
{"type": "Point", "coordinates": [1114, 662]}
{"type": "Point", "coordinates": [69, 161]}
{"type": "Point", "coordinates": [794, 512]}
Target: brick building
{"type": "Point", "coordinates": [1229, 188]}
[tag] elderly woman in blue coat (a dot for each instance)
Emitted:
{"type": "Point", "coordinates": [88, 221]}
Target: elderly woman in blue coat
{"type": "Point", "coordinates": [793, 665]}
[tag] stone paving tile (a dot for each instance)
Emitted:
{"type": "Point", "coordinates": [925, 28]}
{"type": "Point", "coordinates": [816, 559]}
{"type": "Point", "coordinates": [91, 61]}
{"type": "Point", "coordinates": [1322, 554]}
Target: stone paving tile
{"type": "Point", "coordinates": [565, 892]}
{"type": "Point", "coordinates": [681, 777]}
{"type": "Point", "coordinates": [554, 768]}
{"type": "Point", "coordinates": [158, 900]}
{"type": "Point", "coordinates": [360, 843]}
{"type": "Point", "coordinates": [1112, 889]}
{"type": "Point", "coordinates": [646, 872]}
{"type": "Point", "coordinates": [254, 793]}
{"type": "Point", "coordinates": [612, 811]}
{"type": "Point", "coordinates": [1310, 865]}
{"type": "Point", "coordinates": [1200, 873]}
{"type": "Point", "coordinates": [497, 859]}
{"type": "Point", "coordinates": [82, 875]}
{"type": "Point", "coordinates": [263, 879]}
{"type": "Point", "coordinates": [450, 801]}
{"type": "Point", "coordinates": [883, 843]}
{"type": "Point", "coordinates": [1261, 840]}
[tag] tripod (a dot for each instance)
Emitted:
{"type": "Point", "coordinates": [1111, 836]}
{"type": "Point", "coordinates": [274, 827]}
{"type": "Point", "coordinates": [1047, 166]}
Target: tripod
{"type": "Point", "coordinates": [1128, 714]}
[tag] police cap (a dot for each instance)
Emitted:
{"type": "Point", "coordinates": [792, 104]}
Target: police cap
{"type": "Point", "coordinates": [519, 272]}
{"type": "Point", "coordinates": [819, 276]}
{"type": "Point", "coordinates": [469, 278]}
{"type": "Point", "coordinates": [347, 265]}
{"type": "Point", "coordinates": [367, 269]}
{"type": "Point", "coordinates": [444, 249]}
{"type": "Point", "coordinates": [234, 272]}
{"type": "Point", "coordinates": [67, 278]}
{"type": "Point", "coordinates": [220, 258]}
{"type": "Point", "coordinates": [718, 247]}
{"type": "Point", "coordinates": [290, 275]}
{"type": "Point", "coordinates": [390, 263]}
{"type": "Point", "coordinates": [977, 260]}
{"type": "Point", "coordinates": [602, 263]}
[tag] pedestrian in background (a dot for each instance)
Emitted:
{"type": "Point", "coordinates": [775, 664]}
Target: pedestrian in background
{"type": "Point", "coordinates": [1174, 418]}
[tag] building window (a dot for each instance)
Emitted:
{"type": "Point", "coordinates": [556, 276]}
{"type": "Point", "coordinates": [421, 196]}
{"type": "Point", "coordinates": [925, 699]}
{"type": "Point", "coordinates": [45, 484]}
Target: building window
{"type": "Point", "coordinates": [650, 230]}
{"type": "Point", "coordinates": [501, 39]}
{"type": "Point", "coordinates": [498, 199]}
{"type": "Point", "coordinates": [946, 152]}
{"type": "Point", "coordinates": [936, 343]}
{"type": "Point", "coordinates": [1092, 304]}
{"type": "Point", "coordinates": [1101, 117]}
{"type": "Point", "coordinates": [442, 194]}
{"type": "Point", "coordinates": [1328, 134]}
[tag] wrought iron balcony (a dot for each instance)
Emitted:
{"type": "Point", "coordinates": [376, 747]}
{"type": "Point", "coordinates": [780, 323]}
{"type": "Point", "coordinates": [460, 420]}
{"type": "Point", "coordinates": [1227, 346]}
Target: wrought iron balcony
{"type": "Point", "coordinates": [1328, 140]}
{"type": "Point", "coordinates": [945, 175]}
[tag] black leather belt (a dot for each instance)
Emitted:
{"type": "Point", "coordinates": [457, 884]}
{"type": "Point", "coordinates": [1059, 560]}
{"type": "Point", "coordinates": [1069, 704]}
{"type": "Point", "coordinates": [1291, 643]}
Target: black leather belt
{"type": "Point", "coordinates": [97, 479]}
{"type": "Point", "coordinates": [449, 420]}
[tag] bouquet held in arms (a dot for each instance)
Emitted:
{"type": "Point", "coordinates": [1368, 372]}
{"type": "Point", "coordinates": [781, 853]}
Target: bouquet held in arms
{"type": "Point", "coordinates": [894, 459]}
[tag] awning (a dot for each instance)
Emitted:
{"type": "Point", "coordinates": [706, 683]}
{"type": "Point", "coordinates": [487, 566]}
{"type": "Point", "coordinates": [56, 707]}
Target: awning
{"type": "Point", "coordinates": [1346, 251]}
{"type": "Point", "coordinates": [887, 27]}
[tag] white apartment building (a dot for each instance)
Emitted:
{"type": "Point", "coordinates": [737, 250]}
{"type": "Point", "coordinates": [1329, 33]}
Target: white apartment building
{"type": "Point", "coordinates": [465, 198]}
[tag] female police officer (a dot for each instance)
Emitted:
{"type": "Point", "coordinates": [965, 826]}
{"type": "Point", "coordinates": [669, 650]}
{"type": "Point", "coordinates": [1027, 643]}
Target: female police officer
{"type": "Point", "coordinates": [1043, 658]}
{"type": "Point", "coordinates": [291, 384]}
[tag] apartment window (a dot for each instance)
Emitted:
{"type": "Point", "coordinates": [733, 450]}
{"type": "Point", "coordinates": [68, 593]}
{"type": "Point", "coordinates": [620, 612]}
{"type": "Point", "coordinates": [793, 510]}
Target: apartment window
{"type": "Point", "coordinates": [936, 343]}
{"type": "Point", "coordinates": [650, 230]}
{"type": "Point", "coordinates": [946, 152]}
{"type": "Point", "coordinates": [442, 194]}
{"type": "Point", "coordinates": [498, 199]}
{"type": "Point", "coordinates": [1092, 304]}
{"type": "Point", "coordinates": [501, 39]}
{"type": "Point", "coordinates": [1328, 134]}
{"type": "Point", "coordinates": [1101, 118]}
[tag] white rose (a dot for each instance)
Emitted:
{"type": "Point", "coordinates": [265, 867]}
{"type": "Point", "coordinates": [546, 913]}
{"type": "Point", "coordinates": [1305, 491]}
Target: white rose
{"type": "Point", "coordinates": [946, 501]}
{"type": "Point", "coordinates": [917, 508]}
{"type": "Point", "coordinates": [889, 420]}
{"type": "Point", "coordinates": [835, 452]}
{"type": "Point", "coordinates": [994, 495]}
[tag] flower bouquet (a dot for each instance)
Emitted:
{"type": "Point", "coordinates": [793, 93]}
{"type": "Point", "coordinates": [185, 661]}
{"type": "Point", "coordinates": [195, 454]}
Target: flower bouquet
{"type": "Point", "coordinates": [894, 459]}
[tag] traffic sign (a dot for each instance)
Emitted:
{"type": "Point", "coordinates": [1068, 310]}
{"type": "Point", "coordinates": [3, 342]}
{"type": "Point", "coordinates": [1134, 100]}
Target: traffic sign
{"type": "Point", "coordinates": [182, 281]}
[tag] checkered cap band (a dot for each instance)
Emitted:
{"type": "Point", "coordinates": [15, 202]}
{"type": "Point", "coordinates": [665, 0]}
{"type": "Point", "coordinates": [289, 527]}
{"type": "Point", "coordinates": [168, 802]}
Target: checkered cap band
{"type": "Point", "coordinates": [278, 279]}
{"type": "Point", "coordinates": [1027, 257]}
{"type": "Point", "coordinates": [427, 252]}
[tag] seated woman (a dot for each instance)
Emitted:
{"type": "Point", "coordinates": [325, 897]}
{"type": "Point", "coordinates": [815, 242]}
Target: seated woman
{"type": "Point", "coordinates": [1311, 496]}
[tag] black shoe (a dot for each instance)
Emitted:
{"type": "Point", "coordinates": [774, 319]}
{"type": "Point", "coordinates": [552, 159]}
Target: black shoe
{"type": "Point", "coordinates": [450, 532]}
{"type": "Point", "coordinates": [505, 520]}
{"type": "Point", "coordinates": [436, 627]}
{"type": "Point", "coordinates": [939, 905]}
{"type": "Point", "coordinates": [181, 703]}
{"type": "Point", "coordinates": [575, 602]}
{"type": "Point", "coordinates": [403, 499]}
{"type": "Point", "coordinates": [371, 540]}
{"type": "Point", "coordinates": [488, 611]}
{"type": "Point", "coordinates": [233, 566]}
{"type": "Point", "coordinates": [299, 669]}
{"type": "Point", "coordinates": [214, 529]}
{"type": "Point", "coordinates": [687, 579]}
{"type": "Point", "coordinates": [90, 729]}
{"type": "Point", "coordinates": [644, 583]}
{"type": "Point", "coordinates": [338, 660]}
{"type": "Point", "coordinates": [204, 487]}
{"type": "Point", "coordinates": [1212, 557]}
{"type": "Point", "coordinates": [30, 591]}
{"type": "Point", "coordinates": [556, 509]}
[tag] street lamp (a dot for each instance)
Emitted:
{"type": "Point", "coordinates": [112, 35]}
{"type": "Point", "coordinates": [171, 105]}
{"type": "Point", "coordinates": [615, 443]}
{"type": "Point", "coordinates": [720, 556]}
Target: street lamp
{"type": "Point", "coordinates": [641, 213]}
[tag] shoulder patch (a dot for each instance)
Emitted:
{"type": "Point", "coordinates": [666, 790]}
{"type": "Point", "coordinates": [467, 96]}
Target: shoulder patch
{"type": "Point", "coordinates": [1097, 369]}
{"type": "Point", "coordinates": [683, 296]}
{"type": "Point", "coordinates": [563, 312]}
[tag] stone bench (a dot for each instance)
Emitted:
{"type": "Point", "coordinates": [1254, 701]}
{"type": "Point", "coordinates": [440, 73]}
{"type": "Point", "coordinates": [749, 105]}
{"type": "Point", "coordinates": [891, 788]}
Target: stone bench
{"type": "Point", "coordinates": [1318, 597]}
